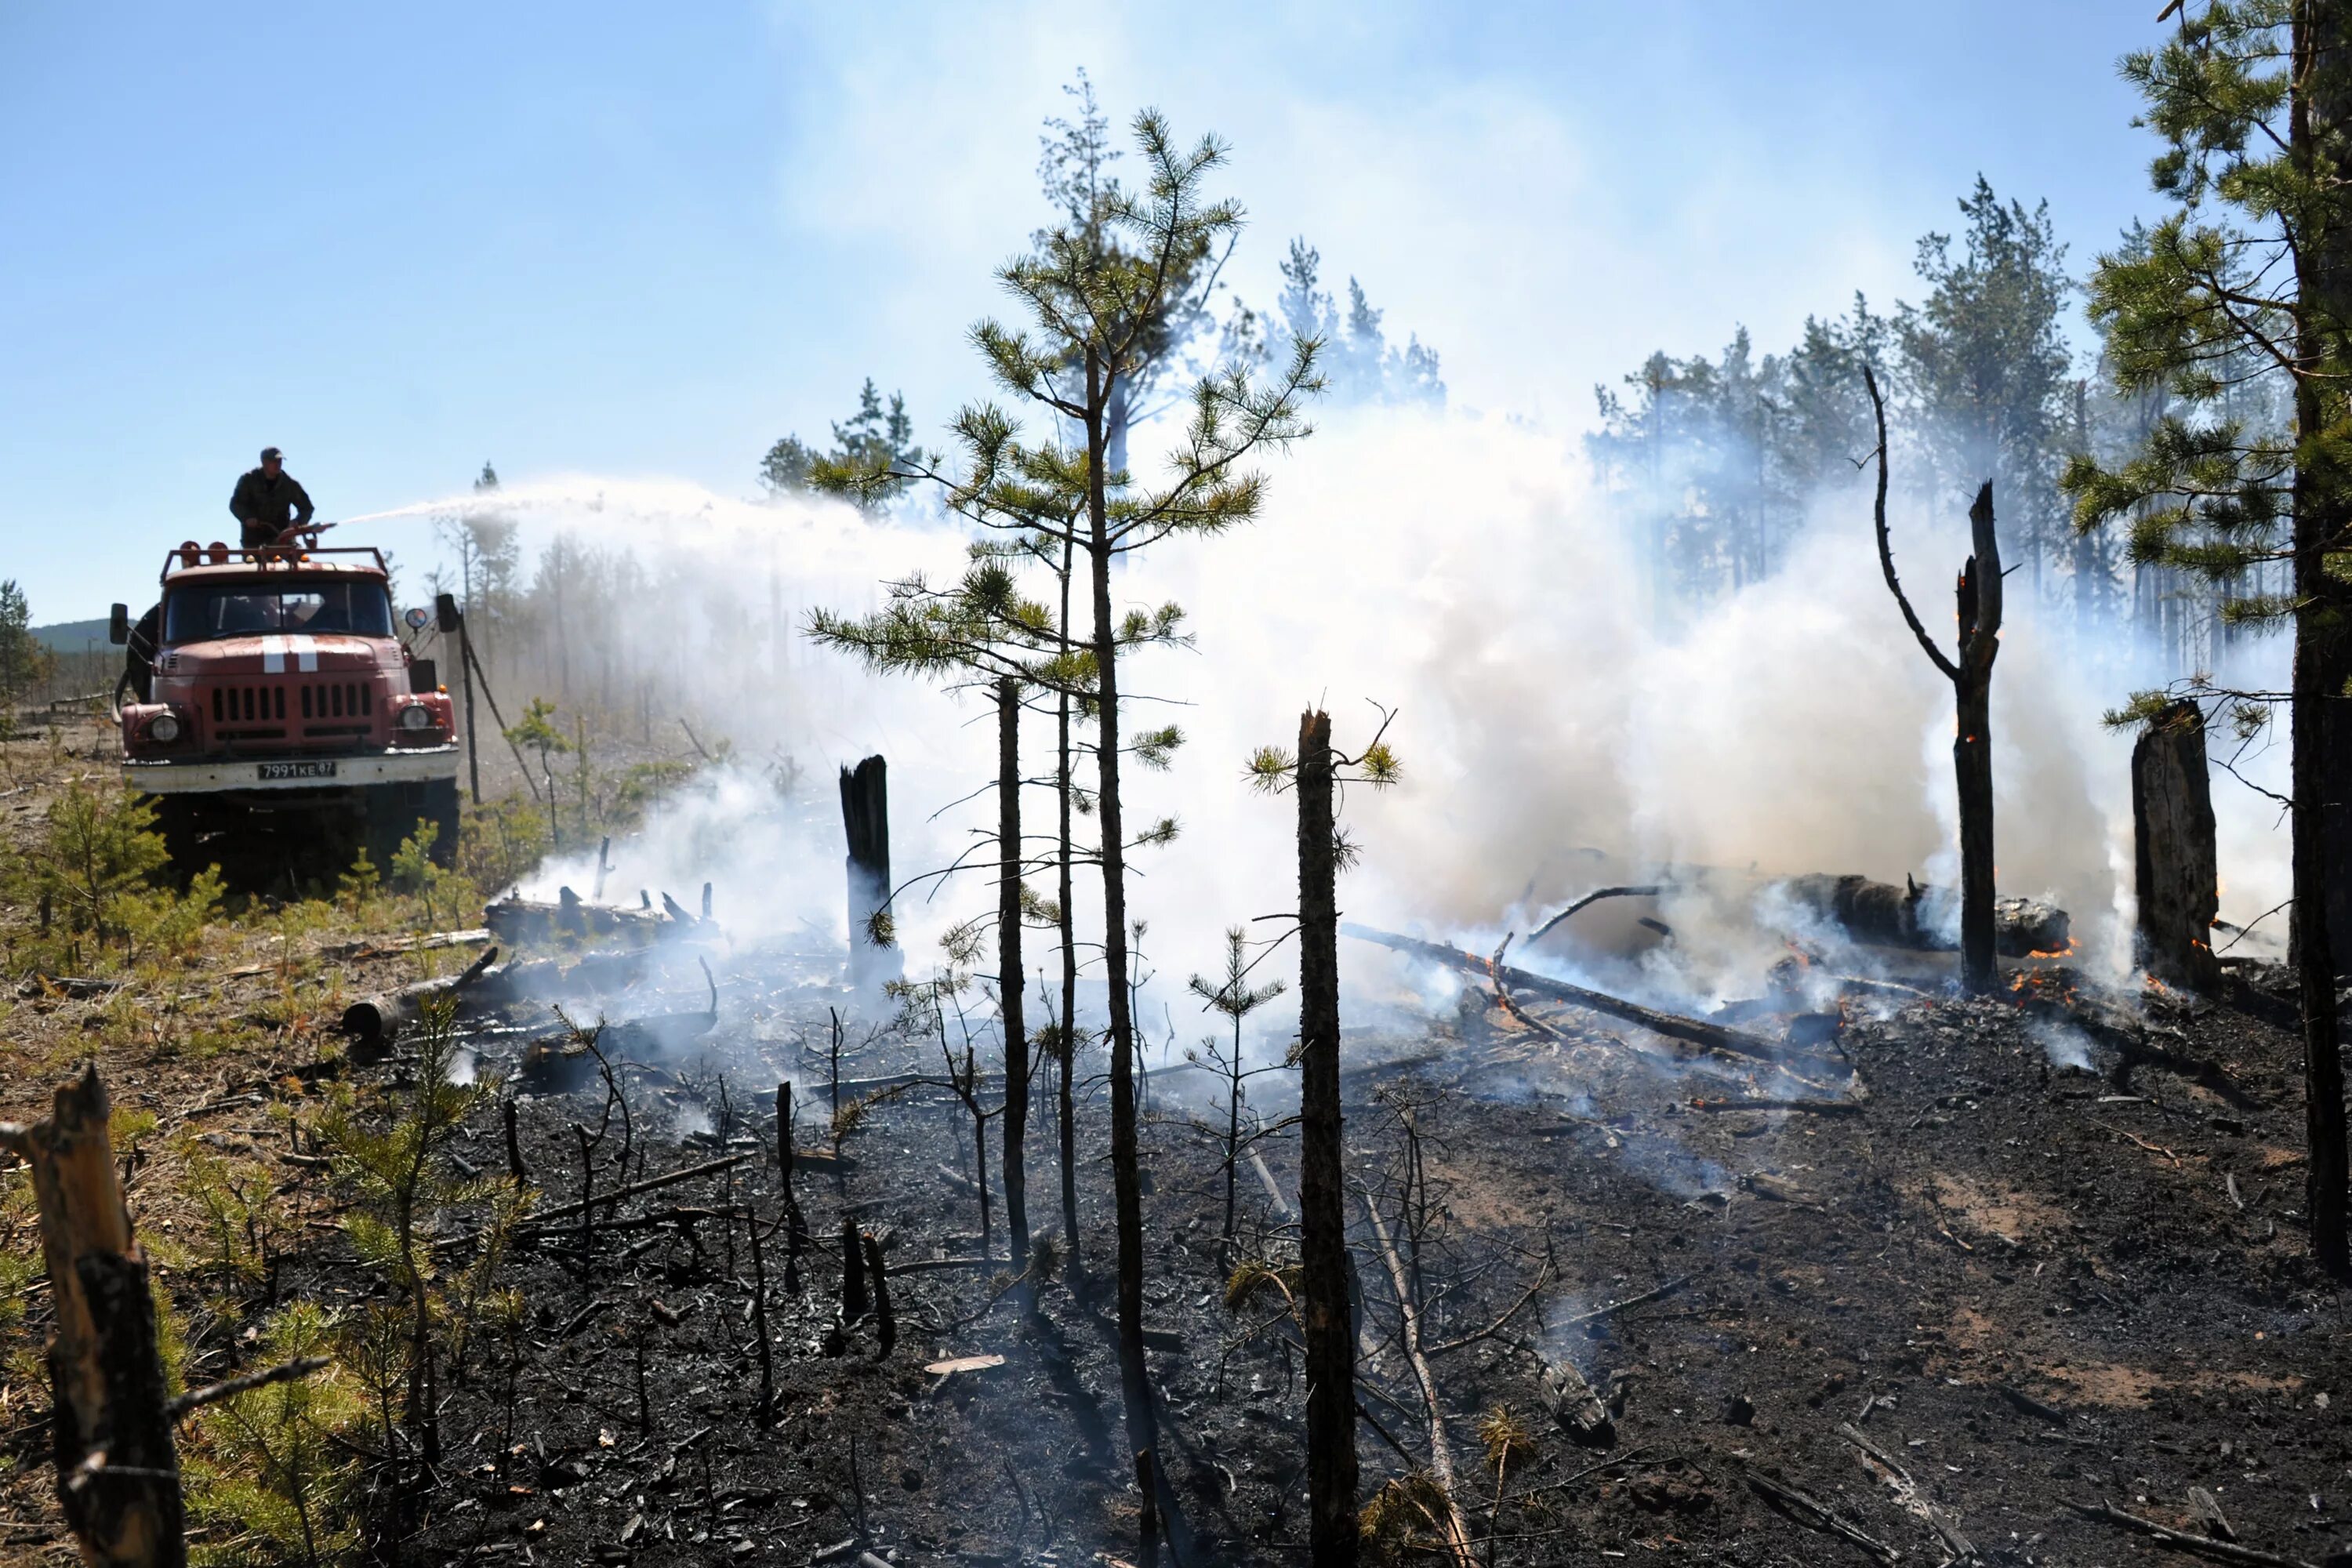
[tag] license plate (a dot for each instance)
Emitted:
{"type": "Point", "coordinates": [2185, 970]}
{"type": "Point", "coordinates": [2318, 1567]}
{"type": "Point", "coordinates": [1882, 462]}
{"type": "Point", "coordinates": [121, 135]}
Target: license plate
{"type": "Point", "coordinates": [270, 771]}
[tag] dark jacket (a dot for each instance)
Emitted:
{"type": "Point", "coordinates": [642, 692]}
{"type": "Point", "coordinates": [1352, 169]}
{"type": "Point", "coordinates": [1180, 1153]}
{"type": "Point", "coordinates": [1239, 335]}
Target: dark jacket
{"type": "Point", "coordinates": [268, 507]}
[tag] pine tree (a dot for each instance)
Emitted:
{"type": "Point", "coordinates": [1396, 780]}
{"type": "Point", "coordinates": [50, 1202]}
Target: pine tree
{"type": "Point", "coordinates": [1985, 365]}
{"type": "Point", "coordinates": [2251, 273]}
{"type": "Point", "coordinates": [1096, 288]}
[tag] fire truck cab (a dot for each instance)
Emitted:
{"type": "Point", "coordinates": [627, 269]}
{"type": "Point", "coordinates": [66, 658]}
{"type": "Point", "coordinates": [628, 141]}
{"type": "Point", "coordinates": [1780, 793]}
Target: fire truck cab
{"type": "Point", "coordinates": [284, 714]}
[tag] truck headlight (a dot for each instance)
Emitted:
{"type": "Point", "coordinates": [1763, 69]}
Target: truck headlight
{"type": "Point", "coordinates": [416, 716]}
{"type": "Point", "coordinates": [163, 729]}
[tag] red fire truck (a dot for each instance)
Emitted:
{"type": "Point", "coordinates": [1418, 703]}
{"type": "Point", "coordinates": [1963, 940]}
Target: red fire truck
{"type": "Point", "coordinates": [282, 715]}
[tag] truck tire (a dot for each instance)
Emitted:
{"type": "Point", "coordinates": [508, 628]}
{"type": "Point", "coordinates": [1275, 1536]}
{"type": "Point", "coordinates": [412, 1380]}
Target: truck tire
{"type": "Point", "coordinates": [180, 824]}
{"type": "Point", "coordinates": [394, 810]}
{"type": "Point", "coordinates": [441, 810]}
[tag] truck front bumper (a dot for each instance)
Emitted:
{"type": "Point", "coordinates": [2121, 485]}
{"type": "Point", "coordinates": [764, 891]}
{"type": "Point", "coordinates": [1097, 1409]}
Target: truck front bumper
{"type": "Point", "coordinates": [214, 777]}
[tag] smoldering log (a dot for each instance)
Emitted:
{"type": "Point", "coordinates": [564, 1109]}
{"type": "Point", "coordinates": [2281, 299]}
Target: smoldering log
{"type": "Point", "coordinates": [372, 1022]}
{"type": "Point", "coordinates": [516, 921]}
{"type": "Point", "coordinates": [1578, 1406]}
{"type": "Point", "coordinates": [2174, 858]}
{"type": "Point", "coordinates": [866, 824]}
{"type": "Point", "coordinates": [1673, 1026]}
{"type": "Point", "coordinates": [1882, 915]}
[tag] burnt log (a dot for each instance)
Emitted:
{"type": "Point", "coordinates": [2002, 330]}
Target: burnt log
{"type": "Point", "coordinates": [1673, 1026]}
{"type": "Point", "coordinates": [2173, 854]}
{"type": "Point", "coordinates": [372, 1023]}
{"type": "Point", "coordinates": [516, 921]}
{"type": "Point", "coordinates": [110, 1427]}
{"type": "Point", "coordinates": [1577, 1407]}
{"type": "Point", "coordinates": [1881, 914]}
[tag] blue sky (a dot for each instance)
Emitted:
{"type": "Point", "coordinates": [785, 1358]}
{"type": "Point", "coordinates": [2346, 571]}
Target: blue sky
{"type": "Point", "coordinates": [593, 237]}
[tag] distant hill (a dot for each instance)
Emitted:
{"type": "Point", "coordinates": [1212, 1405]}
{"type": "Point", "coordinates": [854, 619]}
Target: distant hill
{"type": "Point", "coordinates": [71, 636]}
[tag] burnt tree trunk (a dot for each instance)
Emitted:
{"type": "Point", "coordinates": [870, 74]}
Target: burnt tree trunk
{"type": "Point", "coordinates": [2173, 855]}
{"type": "Point", "coordinates": [1008, 968]}
{"type": "Point", "coordinates": [1322, 1213]}
{"type": "Point", "coordinates": [866, 822]}
{"type": "Point", "coordinates": [1127, 1186]}
{"type": "Point", "coordinates": [1972, 676]}
{"type": "Point", "coordinates": [1067, 1043]}
{"type": "Point", "coordinates": [1979, 615]}
{"type": "Point", "coordinates": [110, 1432]}
{"type": "Point", "coordinates": [2318, 112]}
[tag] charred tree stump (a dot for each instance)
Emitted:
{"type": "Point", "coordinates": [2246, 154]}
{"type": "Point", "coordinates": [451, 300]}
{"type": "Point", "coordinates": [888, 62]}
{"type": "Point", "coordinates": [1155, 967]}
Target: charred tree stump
{"type": "Point", "coordinates": [1009, 976]}
{"type": "Point", "coordinates": [853, 1302]}
{"type": "Point", "coordinates": [2173, 850]}
{"type": "Point", "coordinates": [515, 1168]}
{"type": "Point", "coordinates": [1971, 678]}
{"type": "Point", "coordinates": [865, 822]}
{"type": "Point", "coordinates": [118, 1473]}
{"type": "Point", "coordinates": [1322, 1214]}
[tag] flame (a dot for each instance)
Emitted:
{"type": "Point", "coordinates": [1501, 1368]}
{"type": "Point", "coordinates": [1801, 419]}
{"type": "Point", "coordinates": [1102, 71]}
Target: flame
{"type": "Point", "coordinates": [2074, 945]}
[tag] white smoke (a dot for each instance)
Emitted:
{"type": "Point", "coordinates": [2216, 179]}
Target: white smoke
{"type": "Point", "coordinates": [1462, 571]}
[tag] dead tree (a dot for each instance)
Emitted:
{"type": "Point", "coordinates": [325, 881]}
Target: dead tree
{"type": "Point", "coordinates": [866, 822]}
{"type": "Point", "coordinates": [2173, 851]}
{"type": "Point", "coordinates": [1009, 977]}
{"type": "Point", "coordinates": [1971, 679]}
{"type": "Point", "coordinates": [118, 1472]}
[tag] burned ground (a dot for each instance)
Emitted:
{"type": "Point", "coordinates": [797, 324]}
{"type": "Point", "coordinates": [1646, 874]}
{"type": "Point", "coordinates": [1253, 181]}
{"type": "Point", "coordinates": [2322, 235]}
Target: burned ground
{"type": "Point", "coordinates": [1954, 1289]}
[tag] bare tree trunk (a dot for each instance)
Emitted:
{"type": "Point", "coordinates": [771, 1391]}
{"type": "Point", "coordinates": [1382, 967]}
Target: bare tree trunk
{"type": "Point", "coordinates": [1009, 976]}
{"type": "Point", "coordinates": [1134, 1387]}
{"type": "Point", "coordinates": [2173, 851]}
{"type": "Point", "coordinates": [1066, 1093]}
{"type": "Point", "coordinates": [1972, 763]}
{"type": "Point", "coordinates": [1972, 676]}
{"type": "Point", "coordinates": [110, 1432]}
{"type": "Point", "coordinates": [2321, 732]}
{"type": "Point", "coordinates": [1322, 1213]}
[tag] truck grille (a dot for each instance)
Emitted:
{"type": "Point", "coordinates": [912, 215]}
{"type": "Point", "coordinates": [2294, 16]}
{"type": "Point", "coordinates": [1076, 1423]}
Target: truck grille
{"type": "Point", "coordinates": [340, 700]}
{"type": "Point", "coordinates": [245, 704]}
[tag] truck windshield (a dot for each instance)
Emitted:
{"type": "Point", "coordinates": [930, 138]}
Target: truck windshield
{"type": "Point", "coordinates": [204, 610]}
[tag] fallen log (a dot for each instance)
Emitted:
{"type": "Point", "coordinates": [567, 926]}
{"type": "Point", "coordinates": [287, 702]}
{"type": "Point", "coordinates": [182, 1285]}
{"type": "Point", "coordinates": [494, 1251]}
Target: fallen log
{"type": "Point", "coordinates": [384, 947]}
{"type": "Point", "coordinates": [372, 1023]}
{"type": "Point", "coordinates": [2181, 1540]}
{"type": "Point", "coordinates": [1673, 1026]}
{"type": "Point", "coordinates": [517, 920]}
{"type": "Point", "coordinates": [1884, 915]}
{"type": "Point", "coordinates": [1441, 1454]}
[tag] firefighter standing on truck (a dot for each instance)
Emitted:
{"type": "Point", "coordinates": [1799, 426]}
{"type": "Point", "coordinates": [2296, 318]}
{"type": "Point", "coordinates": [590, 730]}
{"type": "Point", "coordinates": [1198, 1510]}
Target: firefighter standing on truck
{"type": "Point", "coordinates": [268, 500]}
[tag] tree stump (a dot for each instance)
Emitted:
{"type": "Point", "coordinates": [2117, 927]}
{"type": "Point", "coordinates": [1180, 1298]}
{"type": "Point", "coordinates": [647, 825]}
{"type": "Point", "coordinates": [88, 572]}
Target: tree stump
{"type": "Point", "coordinates": [866, 822]}
{"type": "Point", "coordinates": [2172, 846]}
{"type": "Point", "coordinates": [118, 1473]}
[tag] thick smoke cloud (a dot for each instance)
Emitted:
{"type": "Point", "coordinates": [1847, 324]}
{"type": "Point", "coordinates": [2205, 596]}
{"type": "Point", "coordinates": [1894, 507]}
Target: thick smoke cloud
{"type": "Point", "coordinates": [1461, 571]}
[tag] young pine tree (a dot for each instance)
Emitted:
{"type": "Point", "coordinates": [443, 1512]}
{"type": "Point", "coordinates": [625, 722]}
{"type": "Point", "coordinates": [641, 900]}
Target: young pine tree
{"type": "Point", "coordinates": [1095, 292]}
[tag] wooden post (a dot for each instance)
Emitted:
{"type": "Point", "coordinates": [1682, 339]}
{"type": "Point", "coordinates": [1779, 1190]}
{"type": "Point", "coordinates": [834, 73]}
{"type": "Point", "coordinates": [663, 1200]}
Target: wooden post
{"type": "Point", "coordinates": [118, 1473]}
{"type": "Point", "coordinates": [2173, 850]}
{"type": "Point", "coordinates": [866, 822]}
{"type": "Point", "coordinates": [1322, 1213]}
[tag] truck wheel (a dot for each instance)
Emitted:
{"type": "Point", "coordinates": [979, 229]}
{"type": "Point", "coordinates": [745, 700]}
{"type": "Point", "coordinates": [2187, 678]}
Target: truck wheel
{"type": "Point", "coordinates": [178, 822]}
{"type": "Point", "coordinates": [441, 810]}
